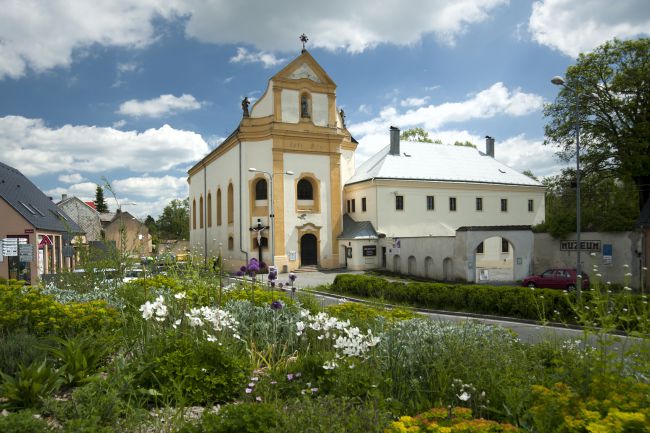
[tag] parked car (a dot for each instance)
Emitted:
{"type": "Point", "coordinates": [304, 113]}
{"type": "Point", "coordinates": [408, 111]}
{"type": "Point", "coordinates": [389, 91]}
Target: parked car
{"type": "Point", "coordinates": [558, 278]}
{"type": "Point", "coordinates": [133, 274]}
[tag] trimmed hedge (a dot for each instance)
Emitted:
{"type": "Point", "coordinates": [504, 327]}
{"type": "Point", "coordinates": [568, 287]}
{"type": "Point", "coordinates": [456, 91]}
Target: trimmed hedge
{"type": "Point", "coordinates": [507, 301]}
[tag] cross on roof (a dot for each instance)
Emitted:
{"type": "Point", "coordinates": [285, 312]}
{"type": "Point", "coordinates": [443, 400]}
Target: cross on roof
{"type": "Point", "coordinates": [303, 38]}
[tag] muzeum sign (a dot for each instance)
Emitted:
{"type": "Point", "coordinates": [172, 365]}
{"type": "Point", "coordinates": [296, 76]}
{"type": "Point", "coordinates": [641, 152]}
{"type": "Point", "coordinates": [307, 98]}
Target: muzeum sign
{"type": "Point", "coordinates": [584, 245]}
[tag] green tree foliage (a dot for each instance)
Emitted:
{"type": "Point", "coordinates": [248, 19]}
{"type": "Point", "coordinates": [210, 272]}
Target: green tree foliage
{"type": "Point", "coordinates": [464, 143]}
{"type": "Point", "coordinates": [606, 204]}
{"type": "Point", "coordinates": [530, 175]}
{"type": "Point", "coordinates": [153, 228]}
{"type": "Point", "coordinates": [611, 87]}
{"type": "Point", "coordinates": [174, 222]}
{"type": "Point", "coordinates": [100, 202]}
{"type": "Point", "coordinates": [417, 134]}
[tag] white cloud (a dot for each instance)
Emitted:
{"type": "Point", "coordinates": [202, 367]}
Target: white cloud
{"type": "Point", "coordinates": [71, 178]}
{"type": "Point", "coordinates": [119, 124]}
{"type": "Point", "coordinates": [43, 35]}
{"type": "Point", "coordinates": [574, 27]}
{"type": "Point", "coordinates": [151, 187]}
{"type": "Point", "coordinates": [363, 108]}
{"type": "Point", "coordinates": [29, 40]}
{"type": "Point", "coordinates": [414, 102]}
{"type": "Point", "coordinates": [517, 152]}
{"type": "Point", "coordinates": [432, 88]}
{"type": "Point", "coordinates": [84, 191]}
{"type": "Point", "coordinates": [35, 148]}
{"type": "Point", "coordinates": [160, 106]}
{"type": "Point", "coordinates": [266, 59]}
{"type": "Point", "coordinates": [127, 67]}
{"type": "Point", "coordinates": [493, 101]}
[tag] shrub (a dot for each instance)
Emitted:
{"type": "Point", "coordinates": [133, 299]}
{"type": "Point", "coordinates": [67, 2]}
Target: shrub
{"type": "Point", "coordinates": [19, 347]}
{"type": "Point", "coordinates": [29, 386]}
{"type": "Point", "coordinates": [438, 420]}
{"type": "Point", "coordinates": [194, 372]}
{"type": "Point", "coordinates": [23, 422]}
{"type": "Point", "coordinates": [242, 418]}
{"type": "Point", "coordinates": [29, 309]}
{"type": "Point", "coordinates": [363, 315]}
{"type": "Point", "coordinates": [79, 357]}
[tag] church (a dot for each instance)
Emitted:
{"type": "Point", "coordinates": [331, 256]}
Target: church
{"type": "Point", "coordinates": [284, 188]}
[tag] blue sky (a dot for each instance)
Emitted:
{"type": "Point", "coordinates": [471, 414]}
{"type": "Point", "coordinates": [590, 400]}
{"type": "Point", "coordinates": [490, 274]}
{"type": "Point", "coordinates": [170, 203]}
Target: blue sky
{"type": "Point", "coordinates": [135, 92]}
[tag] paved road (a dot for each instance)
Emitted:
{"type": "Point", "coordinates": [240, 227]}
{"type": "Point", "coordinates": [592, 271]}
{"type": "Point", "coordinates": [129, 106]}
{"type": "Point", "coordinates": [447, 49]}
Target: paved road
{"type": "Point", "coordinates": [527, 332]}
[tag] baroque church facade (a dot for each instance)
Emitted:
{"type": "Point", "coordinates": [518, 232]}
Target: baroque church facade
{"type": "Point", "coordinates": [284, 188]}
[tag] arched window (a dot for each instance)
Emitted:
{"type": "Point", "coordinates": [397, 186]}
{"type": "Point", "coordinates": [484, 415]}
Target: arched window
{"type": "Point", "coordinates": [231, 204]}
{"type": "Point", "coordinates": [261, 190]}
{"type": "Point", "coordinates": [304, 105]}
{"type": "Point", "coordinates": [201, 212]}
{"type": "Point", "coordinates": [194, 214]}
{"type": "Point", "coordinates": [218, 206]}
{"type": "Point", "coordinates": [209, 207]}
{"type": "Point", "coordinates": [305, 190]}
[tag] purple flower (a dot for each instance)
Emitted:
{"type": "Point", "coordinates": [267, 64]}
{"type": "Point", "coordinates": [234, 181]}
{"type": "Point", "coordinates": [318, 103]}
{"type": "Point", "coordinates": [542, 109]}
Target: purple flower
{"type": "Point", "coordinates": [262, 265]}
{"type": "Point", "coordinates": [272, 276]}
{"type": "Point", "coordinates": [272, 283]}
{"type": "Point", "coordinates": [242, 268]}
{"type": "Point", "coordinates": [314, 390]}
{"type": "Point", "coordinates": [248, 390]}
{"type": "Point", "coordinates": [289, 377]}
{"type": "Point", "coordinates": [239, 273]}
{"type": "Point", "coordinates": [276, 305]}
{"type": "Point", "coordinates": [292, 277]}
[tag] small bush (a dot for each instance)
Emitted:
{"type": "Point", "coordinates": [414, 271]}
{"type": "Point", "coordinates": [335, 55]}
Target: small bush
{"type": "Point", "coordinates": [242, 418]}
{"type": "Point", "coordinates": [79, 357]}
{"type": "Point", "coordinates": [29, 386]}
{"type": "Point", "coordinates": [20, 347]}
{"type": "Point", "coordinates": [23, 422]}
{"type": "Point", "coordinates": [195, 372]}
{"type": "Point", "coordinates": [362, 315]}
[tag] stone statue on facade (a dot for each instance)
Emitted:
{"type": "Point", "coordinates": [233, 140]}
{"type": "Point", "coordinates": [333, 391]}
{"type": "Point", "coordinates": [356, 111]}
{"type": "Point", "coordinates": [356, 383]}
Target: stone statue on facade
{"type": "Point", "coordinates": [244, 106]}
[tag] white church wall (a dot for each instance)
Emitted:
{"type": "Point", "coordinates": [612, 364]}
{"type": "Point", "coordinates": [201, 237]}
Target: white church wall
{"type": "Point", "coordinates": [319, 166]}
{"type": "Point", "coordinates": [264, 107]}
{"type": "Point", "coordinates": [289, 101]}
{"type": "Point", "coordinates": [347, 165]}
{"type": "Point", "coordinates": [319, 109]}
{"type": "Point", "coordinates": [358, 193]}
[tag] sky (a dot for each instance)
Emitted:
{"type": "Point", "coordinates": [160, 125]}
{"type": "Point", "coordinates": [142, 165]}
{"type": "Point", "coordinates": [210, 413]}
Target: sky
{"type": "Point", "coordinates": [134, 92]}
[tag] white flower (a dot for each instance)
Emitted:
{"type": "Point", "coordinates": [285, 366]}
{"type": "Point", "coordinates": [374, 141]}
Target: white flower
{"type": "Point", "coordinates": [464, 396]}
{"type": "Point", "coordinates": [644, 268]}
{"type": "Point", "coordinates": [627, 288]}
{"type": "Point", "coordinates": [330, 365]}
{"type": "Point", "coordinates": [628, 274]}
{"type": "Point", "coordinates": [626, 266]}
{"type": "Point", "coordinates": [180, 295]}
{"type": "Point", "coordinates": [147, 310]}
{"type": "Point", "coordinates": [599, 275]}
{"type": "Point", "coordinates": [593, 254]}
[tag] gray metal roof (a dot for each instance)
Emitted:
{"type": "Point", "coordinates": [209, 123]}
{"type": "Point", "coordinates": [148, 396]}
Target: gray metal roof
{"type": "Point", "coordinates": [438, 162]}
{"type": "Point", "coordinates": [357, 229]}
{"type": "Point", "coordinates": [30, 202]}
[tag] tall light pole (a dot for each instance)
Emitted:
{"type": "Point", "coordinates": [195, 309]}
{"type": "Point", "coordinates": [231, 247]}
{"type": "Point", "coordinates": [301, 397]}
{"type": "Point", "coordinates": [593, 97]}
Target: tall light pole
{"type": "Point", "coordinates": [271, 210]}
{"type": "Point", "coordinates": [559, 81]}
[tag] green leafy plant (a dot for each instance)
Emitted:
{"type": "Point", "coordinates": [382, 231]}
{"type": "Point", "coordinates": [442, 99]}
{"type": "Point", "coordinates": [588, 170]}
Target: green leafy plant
{"type": "Point", "coordinates": [30, 385]}
{"type": "Point", "coordinates": [19, 347]}
{"type": "Point", "coordinates": [242, 418]}
{"type": "Point", "coordinates": [79, 357]}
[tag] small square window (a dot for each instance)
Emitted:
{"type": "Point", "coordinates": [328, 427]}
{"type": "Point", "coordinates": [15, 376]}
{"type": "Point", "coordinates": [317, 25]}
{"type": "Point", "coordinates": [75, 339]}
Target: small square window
{"type": "Point", "coordinates": [479, 204]}
{"type": "Point", "coordinates": [530, 205]}
{"type": "Point", "coordinates": [399, 202]}
{"type": "Point", "coordinates": [430, 202]}
{"type": "Point", "coordinates": [354, 205]}
{"type": "Point", "coordinates": [504, 205]}
{"type": "Point", "coordinates": [452, 204]}
{"type": "Point", "coordinates": [505, 246]}
{"type": "Point", "coordinates": [363, 204]}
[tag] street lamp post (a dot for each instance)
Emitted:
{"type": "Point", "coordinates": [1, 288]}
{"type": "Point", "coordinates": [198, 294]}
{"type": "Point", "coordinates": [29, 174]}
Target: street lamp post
{"type": "Point", "coordinates": [559, 81]}
{"type": "Point", "coordinates": [271, 210]}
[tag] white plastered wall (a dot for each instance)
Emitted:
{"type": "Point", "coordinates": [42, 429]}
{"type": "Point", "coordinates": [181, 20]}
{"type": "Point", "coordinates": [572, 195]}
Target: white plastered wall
{"type": "Point", "coordinates": [319, 166]}
{"type": "Point", "coordinates": [347, 165]}
{"type": "Point", "coordinates": [290, 106]}
{"type": "Point", "coordinates": [264, 107]}
{"type": "Point", "coordinates": [319, 109]}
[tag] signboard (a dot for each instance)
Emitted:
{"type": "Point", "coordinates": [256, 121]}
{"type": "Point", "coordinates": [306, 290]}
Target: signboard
{"type": "Point", "coordinates": [68, 251]}
{"type": "Point", "coordinates": [10, 247]}
{"type": "Point", "coordinates": [607, 254]}
{"type": "Point", "coordinates": [369, 250]}
{"type": "Point", "coordinates": [292, 255]}
{"type": "Point", "coordinates": [45, 241]}
{"type": "Point", "coordinates": [27, 231]}
{"type": "Point", "coordinates": [26, 252]}
{"type": "Point", "coordinates": [584, 245]}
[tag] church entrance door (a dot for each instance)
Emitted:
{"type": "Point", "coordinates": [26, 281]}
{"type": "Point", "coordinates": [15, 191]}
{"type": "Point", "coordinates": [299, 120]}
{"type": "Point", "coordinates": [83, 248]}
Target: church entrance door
{"type": "Point", "coordinates": [308, 250]}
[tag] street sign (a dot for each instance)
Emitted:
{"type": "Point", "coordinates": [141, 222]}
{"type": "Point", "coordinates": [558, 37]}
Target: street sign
{"type": "Point", "coordinates": [10, 247]}
{"type": "Point", "coordinates": [45, 241]}
{"type": "Point", "coordinates": [26, 252]}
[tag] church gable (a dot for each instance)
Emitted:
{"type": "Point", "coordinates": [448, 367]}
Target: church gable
{"type": "Point", "coordinates": [304, 67]}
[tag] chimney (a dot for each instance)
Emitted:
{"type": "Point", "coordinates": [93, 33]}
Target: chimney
{"type": "Point", "coordinates": [489, 145]}
{"type": "Point", "coordinates": [394, 141]}
{"type": "Point", "coordinates": [64, 196]}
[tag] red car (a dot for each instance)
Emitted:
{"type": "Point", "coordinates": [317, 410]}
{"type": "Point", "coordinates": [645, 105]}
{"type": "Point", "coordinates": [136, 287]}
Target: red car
{"type": "Point", "coordinates": [559, 278]}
